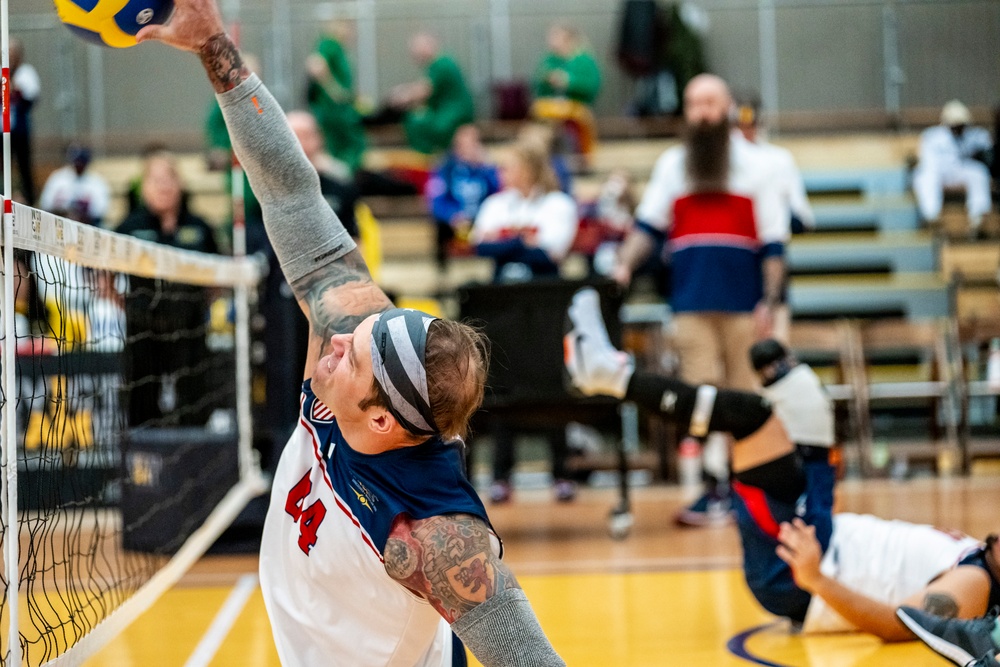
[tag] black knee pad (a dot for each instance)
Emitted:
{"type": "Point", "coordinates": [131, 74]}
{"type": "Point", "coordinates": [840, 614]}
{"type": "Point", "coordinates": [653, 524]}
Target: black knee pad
{"type": "Point", "coordinates": [739, 412]}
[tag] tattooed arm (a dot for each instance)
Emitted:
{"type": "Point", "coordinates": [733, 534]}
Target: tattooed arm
{"type": "Point", "coordinates": [318, 257]}
{"type": "Point", "coordinates": [449, 561]}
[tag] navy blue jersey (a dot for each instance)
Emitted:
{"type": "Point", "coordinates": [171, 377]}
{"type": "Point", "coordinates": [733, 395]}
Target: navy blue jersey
{"type": "Point", "coordinates": [421, 481]}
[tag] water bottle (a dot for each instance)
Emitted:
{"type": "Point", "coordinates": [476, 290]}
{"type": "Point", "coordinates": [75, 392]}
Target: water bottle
{"type": "Point", "coordinates": [689, 467]}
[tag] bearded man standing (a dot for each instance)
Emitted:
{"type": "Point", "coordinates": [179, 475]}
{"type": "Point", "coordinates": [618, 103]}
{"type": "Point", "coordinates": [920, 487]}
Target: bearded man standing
{"type": "Point", "coordinates": [719, 210]}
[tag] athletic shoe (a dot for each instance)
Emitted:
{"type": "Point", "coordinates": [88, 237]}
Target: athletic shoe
{"type": "Point", "coordinates": [711, 509]}
{"type": "Point", "coordinates": [565, 490]}
{"type": "Point", "coordinates": [595, 367]}
{"type": "Point", "coordinates": [963, 641]}
{"type": "Point", "coordinates": [500, 492]}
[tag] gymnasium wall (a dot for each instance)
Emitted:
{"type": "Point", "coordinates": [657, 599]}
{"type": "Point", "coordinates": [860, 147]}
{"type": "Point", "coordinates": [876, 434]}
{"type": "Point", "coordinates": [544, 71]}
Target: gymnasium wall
{"type": "Point", "coordinates": [829, 64]}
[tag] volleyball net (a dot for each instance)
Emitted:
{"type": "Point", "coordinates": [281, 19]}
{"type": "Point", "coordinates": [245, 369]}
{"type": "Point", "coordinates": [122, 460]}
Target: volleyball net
{"type": "Point", "coordinates": [126, 426]}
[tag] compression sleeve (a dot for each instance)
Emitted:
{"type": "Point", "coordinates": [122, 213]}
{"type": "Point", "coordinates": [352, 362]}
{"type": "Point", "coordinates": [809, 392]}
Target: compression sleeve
{"type": "Point", "coordinates": [304, 231]}
{"type": "Point", "coordinates": [503, 632]}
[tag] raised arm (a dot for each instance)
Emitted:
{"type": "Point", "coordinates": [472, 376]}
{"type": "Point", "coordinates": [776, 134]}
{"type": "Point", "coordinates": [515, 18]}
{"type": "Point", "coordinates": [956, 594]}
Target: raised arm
{"type": "Point", "coordinates": [317, 255]}
{"type": "Point", "coordinates": [449, 561]}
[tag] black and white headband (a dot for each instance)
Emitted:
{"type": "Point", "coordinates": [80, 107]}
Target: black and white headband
{"type": "Point", "coordinates": [399, 345]}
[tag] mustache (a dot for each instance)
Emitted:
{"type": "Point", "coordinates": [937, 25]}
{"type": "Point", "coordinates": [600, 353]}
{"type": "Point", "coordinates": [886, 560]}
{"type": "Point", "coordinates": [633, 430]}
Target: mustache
{"type": "Point", "coordinates": [707, 158]}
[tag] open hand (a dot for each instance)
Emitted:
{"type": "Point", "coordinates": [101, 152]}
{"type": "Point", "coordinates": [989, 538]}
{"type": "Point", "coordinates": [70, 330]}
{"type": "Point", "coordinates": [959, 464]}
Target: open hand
{"type": "Point", "coordinates": [190, 27]}
{"type": "Point", "coordinates": [801, 550]}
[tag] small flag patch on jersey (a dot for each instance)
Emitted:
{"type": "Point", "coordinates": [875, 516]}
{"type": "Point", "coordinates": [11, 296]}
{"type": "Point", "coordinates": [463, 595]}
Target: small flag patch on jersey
{"type": "Point", "coordinates": [321, 413]}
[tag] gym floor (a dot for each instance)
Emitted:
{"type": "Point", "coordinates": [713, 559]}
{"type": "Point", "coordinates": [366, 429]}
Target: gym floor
{"type": "Point", "coordinates": [663, 596]}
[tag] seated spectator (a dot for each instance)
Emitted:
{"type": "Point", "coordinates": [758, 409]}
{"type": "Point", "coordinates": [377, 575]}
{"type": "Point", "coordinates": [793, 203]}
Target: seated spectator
{"type": "Point", "coordinates": [606, 220]}
{"type": "Point", "coordinates": [331, 94]}
{"type": "Point", "coordinates": [436, 105]}
{"type": "Point", "coordinates": [566, 83]}
{"type": "Point", "coordinates": [458, 187]}
{"type": "Point", "coordinates": [74, 191]}
{"type": "Point", "coordinates": [157, 311]}
{"type": "Point", "coordinates": [953, 154]}
{"type": "Point", "coordinates": [335, 178]}
{"type": "Point", "coordinates": [545, 139]}
{"type": "Point", "coordinates": [529, 227]}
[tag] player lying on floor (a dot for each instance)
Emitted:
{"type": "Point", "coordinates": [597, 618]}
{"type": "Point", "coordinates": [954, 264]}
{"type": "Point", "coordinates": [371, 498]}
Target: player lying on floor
{"type": "Point", "coordinates": [376, 548]}
{"type": "Point", "coordinates": [827, 572]}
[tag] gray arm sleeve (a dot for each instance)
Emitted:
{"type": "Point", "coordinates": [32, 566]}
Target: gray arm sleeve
{"type": "Point", "coordinates": [304, 231]}
{"type": "Point", "coordinates": [503, 632]}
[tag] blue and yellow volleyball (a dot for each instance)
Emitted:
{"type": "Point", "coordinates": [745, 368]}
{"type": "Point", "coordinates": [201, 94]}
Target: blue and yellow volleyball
{"type": "Point", "coordinates": [112, 22]}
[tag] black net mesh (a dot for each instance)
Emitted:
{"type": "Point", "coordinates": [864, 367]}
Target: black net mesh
{"type": "Point", "coordinates": [126, 438]}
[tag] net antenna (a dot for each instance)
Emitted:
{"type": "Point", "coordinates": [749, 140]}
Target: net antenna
{"type": "Point", "coordinates": [77, 584]}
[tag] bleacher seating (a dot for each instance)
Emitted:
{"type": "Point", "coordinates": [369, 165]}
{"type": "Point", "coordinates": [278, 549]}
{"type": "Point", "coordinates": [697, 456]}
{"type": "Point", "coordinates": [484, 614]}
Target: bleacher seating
{"type": "Point", "coordinates": [870, 257]}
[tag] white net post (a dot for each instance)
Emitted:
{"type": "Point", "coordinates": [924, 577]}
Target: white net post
{"type": "Point", "coordinates": [9, 496]}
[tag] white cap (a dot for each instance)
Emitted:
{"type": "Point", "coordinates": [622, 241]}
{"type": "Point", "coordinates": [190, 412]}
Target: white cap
{"type": "Point", "coordinates": [955, 113]}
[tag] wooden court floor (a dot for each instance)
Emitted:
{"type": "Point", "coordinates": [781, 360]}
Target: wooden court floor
{"type": "Point", "coordinates": [664, 596]}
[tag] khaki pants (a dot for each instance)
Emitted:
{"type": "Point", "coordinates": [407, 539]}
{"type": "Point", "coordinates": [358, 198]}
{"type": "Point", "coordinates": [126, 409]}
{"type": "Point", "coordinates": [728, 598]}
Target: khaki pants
{"type": "Point", "coordinates": [714, 348]}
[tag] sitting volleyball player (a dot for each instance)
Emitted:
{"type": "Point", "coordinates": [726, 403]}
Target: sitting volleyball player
{"type": "Point", "coordinates": [374, 543]}
{"type": "Point", "coordinates": [827, 572]}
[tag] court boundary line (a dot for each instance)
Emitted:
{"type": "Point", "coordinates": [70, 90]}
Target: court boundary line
{"type": "Point", "coordinates": [737, 645]}
{"type": "Point", "coordinates": [223, 622]}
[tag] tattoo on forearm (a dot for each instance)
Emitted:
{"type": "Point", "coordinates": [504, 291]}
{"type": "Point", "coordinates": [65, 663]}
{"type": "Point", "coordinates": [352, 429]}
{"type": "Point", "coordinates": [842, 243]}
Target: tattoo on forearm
{"type": "Point", "coordinates": [223, 63]}
{"type": "Point", "coordinates": [449, 561]}
{"type": "Point", "coordinates": [339, 296]}
{"type": "Point", "coordinates": [941, 604]}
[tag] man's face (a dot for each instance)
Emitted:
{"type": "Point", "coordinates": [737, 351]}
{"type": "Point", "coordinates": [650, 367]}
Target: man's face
{"type": "Point", "coordinates": [958, 130]}
{"type": "Point", "coordinates": [343, 378]}
{"type": "Point", "coordinates": [706, 102]}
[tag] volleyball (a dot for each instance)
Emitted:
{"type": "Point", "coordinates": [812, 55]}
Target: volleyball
{"type": "Point", "coordinates": [112, 22]}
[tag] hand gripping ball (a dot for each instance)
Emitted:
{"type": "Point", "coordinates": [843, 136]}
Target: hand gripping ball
{"type": "Point", "coordinates": [112, 22]}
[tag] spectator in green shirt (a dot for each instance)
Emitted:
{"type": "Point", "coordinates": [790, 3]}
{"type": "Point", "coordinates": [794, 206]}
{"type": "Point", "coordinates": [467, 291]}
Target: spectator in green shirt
{"type": "Point", "coordinates": [331, 95]}
{"type": "Point", "coordinates": [566, 84]}
{"type": "Point", "coordinates": [436, 105]}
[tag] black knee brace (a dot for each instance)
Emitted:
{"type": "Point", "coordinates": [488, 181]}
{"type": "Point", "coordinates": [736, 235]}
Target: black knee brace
{"type": "Point", "coordinates": [737, 412]}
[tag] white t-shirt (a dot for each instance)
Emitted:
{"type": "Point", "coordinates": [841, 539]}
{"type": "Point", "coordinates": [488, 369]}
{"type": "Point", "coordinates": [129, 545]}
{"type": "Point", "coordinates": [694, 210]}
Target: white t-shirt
{"type": "Point", "coordinates": [27, 82]}
{"type": "Point", "coordinates": [67, 192]}
{"type": "Point", "coordinates": [789, 179]}
{"type": "Point", "coordinates": [885, 560]}
{"type": "Point", "coordinates": [553, 216]}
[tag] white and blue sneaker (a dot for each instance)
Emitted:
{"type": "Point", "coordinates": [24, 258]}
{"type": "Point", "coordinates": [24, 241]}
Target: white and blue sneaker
{"type": "Point", "coordinates": [595, 367]}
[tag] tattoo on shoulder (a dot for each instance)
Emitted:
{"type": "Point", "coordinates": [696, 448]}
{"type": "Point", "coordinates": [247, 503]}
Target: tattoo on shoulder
{"type": "Point", "coordinates": [223, 63]}
{"type": "Point", "coordinates": [339, 296]}
{"type": "Point", "coordinates": [941, 604]}
{"type": "Point", "coordinates": [449, 561]}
